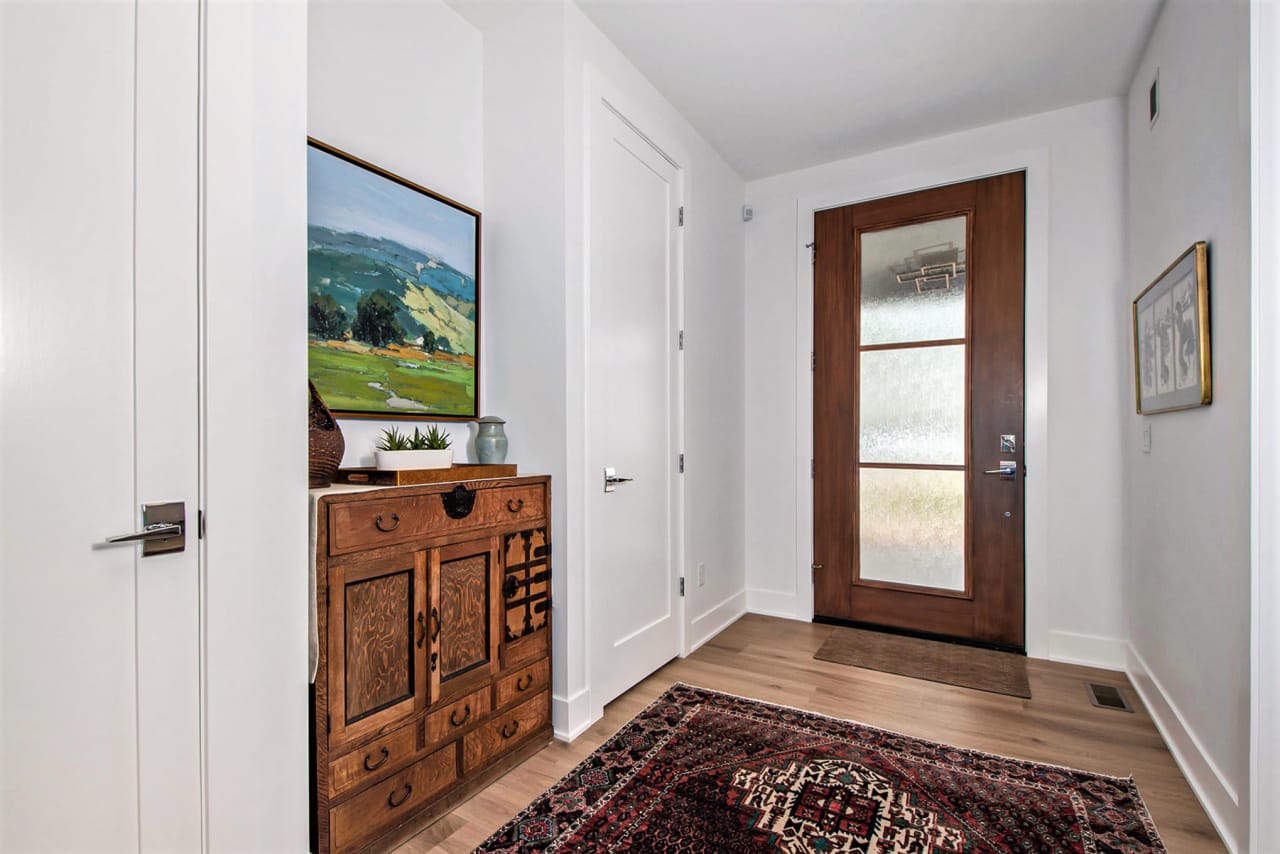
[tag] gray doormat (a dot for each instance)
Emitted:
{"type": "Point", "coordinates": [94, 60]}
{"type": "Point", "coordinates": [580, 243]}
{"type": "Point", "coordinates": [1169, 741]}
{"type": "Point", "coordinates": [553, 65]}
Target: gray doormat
{"type": "Point", "coordinates": [937, 661]}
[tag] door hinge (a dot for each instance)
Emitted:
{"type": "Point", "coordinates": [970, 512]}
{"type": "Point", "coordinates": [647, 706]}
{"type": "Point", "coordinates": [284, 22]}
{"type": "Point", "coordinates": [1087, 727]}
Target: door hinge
{"type": "Point", "coordinates": [681, 339]}
{"type": "Point", "coordinates": [813, 251]}
{"type": "Point", "coordinates": [813, 361]}
{"type": "Point", "coordinates": [200, 524]}
{"type": "Point", "coordinates": [682, 464]}
{"type": "Point", "coordinates": [682, 586]}
{"type": "Point", "coordinates": [680, 216]}
{"type": "Point", "coordinates": [813, 469]}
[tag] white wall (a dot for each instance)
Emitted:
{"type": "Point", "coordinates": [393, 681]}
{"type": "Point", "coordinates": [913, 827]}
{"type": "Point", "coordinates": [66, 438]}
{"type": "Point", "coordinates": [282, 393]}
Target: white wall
{"type": "Point", "coordinates": [1189, 499]}
{"type": "Point", "coordinates": [526, 322]}
{"type": "Point", "coordinates": [400, 85]}
{"type": "Point", "coordinates": [1075, 356]}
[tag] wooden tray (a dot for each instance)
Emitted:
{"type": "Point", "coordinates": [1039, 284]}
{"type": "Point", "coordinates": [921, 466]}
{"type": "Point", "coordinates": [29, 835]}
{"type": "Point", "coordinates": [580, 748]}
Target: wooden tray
{"type": "Point", "coordinates": [413, 477]}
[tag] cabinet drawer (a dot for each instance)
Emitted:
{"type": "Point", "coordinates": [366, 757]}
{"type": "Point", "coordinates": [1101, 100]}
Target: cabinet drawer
{"type": "Point", "coordinates": [457, 716]}
{"type": "Point", "coordinates": [522, 683]}
{"type": "Point", "coordinates": [528, 648]}
{"type": "Point", "coordinates": [358, 525]}
{"type": "Point", "coordinates": [370, 813]}
{"type": "Point", "coordinates": [375, 760]}
{"type": "Point", "coordinates": [492, 739]}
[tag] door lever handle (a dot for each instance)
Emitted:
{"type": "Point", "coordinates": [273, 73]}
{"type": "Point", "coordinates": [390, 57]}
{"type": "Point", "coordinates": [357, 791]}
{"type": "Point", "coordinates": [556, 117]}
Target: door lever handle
{"type": "Point", "coordinates": [611, 479]}
{"type": "Point", "coordinates": [157, 531]}
{"type": "Point", "coordinates": [164, 529]}
{"type": "Point", "coordinates": [1008, 470]}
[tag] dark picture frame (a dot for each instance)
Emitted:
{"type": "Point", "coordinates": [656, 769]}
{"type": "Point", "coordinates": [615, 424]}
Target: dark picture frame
{"type": "Point", "coordinates": [393, 293]}
{"type": "Point", "coordinates": [1171, 351]}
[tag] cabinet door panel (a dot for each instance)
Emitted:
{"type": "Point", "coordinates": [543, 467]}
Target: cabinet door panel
{"type": "Point", "coordinates": [464, 640]}
{"type": "Point", "coordinates": [377, 638]}
{"type": "Point", "coordinates": [379, 627]}
{"type": "Point", "coordinates": [527, 582]}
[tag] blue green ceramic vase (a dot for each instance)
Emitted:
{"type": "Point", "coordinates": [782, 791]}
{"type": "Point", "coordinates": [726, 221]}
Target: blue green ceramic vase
{"type": "Point", "coordinates": [491, 441]}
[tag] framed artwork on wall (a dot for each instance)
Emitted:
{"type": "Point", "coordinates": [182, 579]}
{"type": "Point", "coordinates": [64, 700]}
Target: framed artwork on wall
{"type": "Point", "coordinates": [1171, 337]}
{"type": "Point", "coordinates": [393, 293]}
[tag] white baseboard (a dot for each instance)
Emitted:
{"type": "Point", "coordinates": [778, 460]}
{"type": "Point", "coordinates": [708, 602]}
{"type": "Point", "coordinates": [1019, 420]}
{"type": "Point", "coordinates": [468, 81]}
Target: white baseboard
{"type": "Point", "coordinates": [716, 620]}
{"type": "Point", "coordinates": [571, 716]}
{"type": "Point", "coordinates": [1218, 797]}
{"type": "Point", "coordinates": [771, 603]}
{"type": "Point", "coordinates": [1089, 650]}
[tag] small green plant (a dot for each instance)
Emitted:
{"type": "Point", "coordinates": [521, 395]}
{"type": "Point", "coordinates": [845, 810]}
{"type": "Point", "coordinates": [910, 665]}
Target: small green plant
{"type": "Point", "coordinates": [432, 440]}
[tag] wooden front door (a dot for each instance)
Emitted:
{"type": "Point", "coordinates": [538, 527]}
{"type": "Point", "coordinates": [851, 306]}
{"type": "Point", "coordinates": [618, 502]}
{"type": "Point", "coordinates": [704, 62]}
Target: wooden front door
{"type": "Point", "coordinates": [918, 412]}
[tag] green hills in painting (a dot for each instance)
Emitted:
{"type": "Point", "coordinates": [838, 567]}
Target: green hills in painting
{"type": "Point", "coordinates": [392, 329]}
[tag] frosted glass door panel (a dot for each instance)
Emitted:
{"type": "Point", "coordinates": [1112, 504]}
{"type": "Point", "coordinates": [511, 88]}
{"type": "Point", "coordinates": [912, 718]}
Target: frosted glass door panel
{"type": "Point", "coordinates": [912, 406]}
{"type": "Point", "coordinates": [912, 527]}
{"type": "Point", "coordinates": [913, 282]}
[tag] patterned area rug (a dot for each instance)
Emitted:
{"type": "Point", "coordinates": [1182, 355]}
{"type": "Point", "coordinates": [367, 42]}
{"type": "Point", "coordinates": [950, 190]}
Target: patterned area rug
{"type": "Point", "coordinates": [700, 771]}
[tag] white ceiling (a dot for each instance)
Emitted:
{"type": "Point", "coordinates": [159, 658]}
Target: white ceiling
{"type": "Point", "coordinates": [776, 85]}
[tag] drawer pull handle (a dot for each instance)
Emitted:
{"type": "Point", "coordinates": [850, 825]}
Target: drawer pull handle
{"type": "Point", "coordinates": [515, 505]}
{"type": "Point", "coordinates": [391, 798]}
{"type": "Point", "coordinates": [515, 728]}
{"type": "Point", "coordinates": [522, 685]}
{"type": "Point", "coordinates": [435, 621]}
{"type": "Point", "coordinates": [386, 754]}
{"type": "Point", "coordinates": [466, 716]}
{"type": "Point", "coordinates": [422, 629]}
{"type": "Point", "coordinates": [395, 523]}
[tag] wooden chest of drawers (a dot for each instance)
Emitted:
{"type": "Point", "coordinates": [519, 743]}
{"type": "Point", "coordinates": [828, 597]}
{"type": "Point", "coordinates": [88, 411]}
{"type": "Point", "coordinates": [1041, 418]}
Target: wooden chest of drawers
{"type": "Point", "coordinates": [434, 678]}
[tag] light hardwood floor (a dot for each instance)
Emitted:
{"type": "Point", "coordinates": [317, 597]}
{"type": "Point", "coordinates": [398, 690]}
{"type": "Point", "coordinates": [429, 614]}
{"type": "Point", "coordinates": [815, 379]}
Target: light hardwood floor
{"type": "Point", "coordinates": [772, 659]}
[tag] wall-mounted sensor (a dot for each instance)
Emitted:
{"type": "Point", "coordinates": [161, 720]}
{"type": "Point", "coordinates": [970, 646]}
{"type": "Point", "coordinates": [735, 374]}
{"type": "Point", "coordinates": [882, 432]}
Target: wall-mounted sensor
{"type": "Point", "coordinates": [747, 213]}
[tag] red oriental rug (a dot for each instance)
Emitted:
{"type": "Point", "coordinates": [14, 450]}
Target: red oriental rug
{"type": "Point", "coordinates": [700, 771]}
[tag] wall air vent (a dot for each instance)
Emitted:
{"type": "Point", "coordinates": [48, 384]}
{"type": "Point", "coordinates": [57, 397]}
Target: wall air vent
{"type": "Point", "coordinates": [1108, 697]}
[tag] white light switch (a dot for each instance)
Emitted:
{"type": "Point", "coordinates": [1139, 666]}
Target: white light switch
{"type": "Point", "coordinates": [1146, 439]}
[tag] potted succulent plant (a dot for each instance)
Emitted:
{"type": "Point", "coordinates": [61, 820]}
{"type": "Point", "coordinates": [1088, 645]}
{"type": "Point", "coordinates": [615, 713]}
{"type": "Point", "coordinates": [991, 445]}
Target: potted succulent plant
{"type": "Point", "coordinates": [398, 451]}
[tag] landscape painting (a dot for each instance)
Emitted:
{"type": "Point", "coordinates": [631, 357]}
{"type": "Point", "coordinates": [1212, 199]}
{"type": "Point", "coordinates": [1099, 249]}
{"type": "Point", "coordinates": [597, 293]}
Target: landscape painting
{"type": "Point", "coordinates": [393, 293]}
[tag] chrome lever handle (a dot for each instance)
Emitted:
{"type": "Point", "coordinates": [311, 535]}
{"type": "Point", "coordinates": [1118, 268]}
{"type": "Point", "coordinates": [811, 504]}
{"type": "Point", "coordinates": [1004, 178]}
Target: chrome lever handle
{"type": "Point", "coordinates": [611, 479]}
{"type": "Point", "coordinates": [164, 530]}
{"type": "Point", "coordinates": [156, 531]}
{"type": "Point", "coordinates": [1008, 470]}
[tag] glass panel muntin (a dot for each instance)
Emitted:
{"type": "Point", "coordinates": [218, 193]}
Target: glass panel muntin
{"type": "Point", "coordinates": [914, 319]}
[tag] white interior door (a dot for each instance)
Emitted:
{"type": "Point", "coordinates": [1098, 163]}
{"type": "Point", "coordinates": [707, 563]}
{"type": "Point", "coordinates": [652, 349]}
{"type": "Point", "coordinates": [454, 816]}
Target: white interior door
{"type": "Point", "coordinates": [100, 660]}
{"type": "Point", "coordinates": [632, 377]}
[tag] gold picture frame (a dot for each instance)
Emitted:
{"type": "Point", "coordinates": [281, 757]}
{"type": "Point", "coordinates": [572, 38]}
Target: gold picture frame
{"type": "Point", "coordinates": [1171, 353]}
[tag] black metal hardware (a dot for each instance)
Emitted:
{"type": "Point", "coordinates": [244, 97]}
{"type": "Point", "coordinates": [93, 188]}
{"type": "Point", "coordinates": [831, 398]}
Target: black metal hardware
{"type": "Point", "coordinates": [510, 587]}
{"type": "Point", "coordinates": [525, 686]}
{"type": "Point", "coordinates": [435, 622]}
{"type": "Point", "coordinates": [395, 523]}
{"type": "Point", "coordinates": [391, 798]}
{"type": "Point", "coordinates": [434, 657]}
{"type": "Point", "coordinates": [515, 505]}
{"type": "Point", "coordinates": [375, 766]}
{"type": "Point", "coordinates": [515, 728]}
{"type": "Point", "coordinates": [422, 629]}
{"type": "Point", "coordinates": [465, 717]}
{"type": "Point", "coordinates": [458, 504]}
